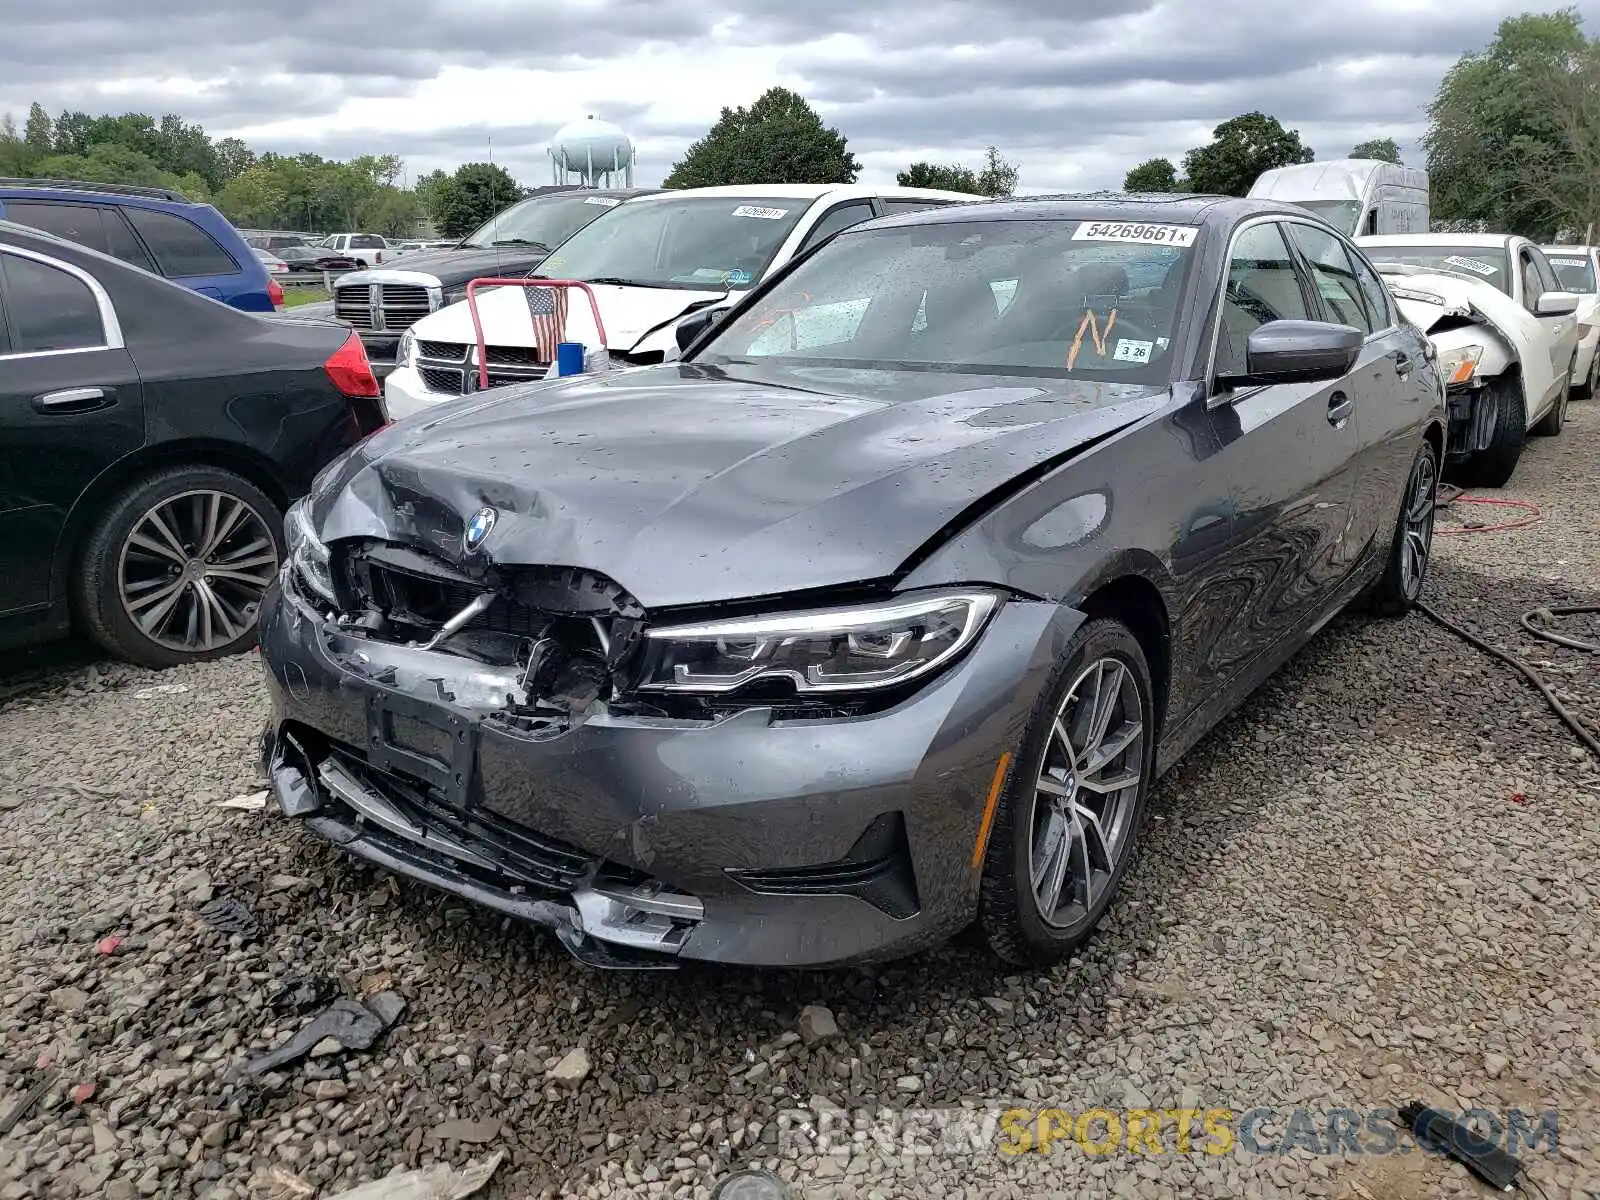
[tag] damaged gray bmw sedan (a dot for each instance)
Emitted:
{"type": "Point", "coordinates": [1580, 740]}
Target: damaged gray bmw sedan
{"type": "Point", "coordinates": [876, 614]}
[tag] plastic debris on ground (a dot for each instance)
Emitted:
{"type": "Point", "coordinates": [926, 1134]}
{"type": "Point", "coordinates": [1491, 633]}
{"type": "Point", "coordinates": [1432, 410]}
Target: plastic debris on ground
{"type": "Point", "coordinates": [347, 1024]}
{"type": "Point", "coordinates": [250, 802]}
{"type": "Point", "coordinates": [437, 1182]}
{"type": "Point", "coordinates": [230, 916]}
{"type": "Point", "coordinates": [161, 689]}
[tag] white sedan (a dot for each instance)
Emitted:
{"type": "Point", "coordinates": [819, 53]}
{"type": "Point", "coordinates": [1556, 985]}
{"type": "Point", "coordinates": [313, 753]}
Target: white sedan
{"type": "Point", "coordinates": [1505, 332]}
{"type": "Point", "coordinates": [1578, 268]}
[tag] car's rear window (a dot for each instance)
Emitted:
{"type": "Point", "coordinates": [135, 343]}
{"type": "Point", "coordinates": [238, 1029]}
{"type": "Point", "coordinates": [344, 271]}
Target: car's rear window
{"type": "Point", "coordinates": [181, 247]}
{"type": "Point", "coordinates": [1575, 273]}
{"type": "Point", "coordinates": [365, 241]}
{"type": "Point", "coordinates": [1089, 299]}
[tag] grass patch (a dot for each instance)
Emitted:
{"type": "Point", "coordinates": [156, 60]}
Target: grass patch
{"type": "Point", "coordinates": [296, 296]}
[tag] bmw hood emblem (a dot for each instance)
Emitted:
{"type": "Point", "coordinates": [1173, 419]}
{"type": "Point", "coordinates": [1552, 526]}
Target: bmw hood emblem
{"type": "Point", "coordinates": [479, 526]}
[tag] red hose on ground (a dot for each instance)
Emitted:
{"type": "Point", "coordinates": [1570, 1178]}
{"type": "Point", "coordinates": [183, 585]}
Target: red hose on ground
{"type": "Point", "coordinates": [1499, 501]}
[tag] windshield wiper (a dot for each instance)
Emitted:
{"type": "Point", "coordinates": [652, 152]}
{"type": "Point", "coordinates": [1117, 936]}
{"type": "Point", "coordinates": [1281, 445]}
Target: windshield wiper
{"type": "Point", "coordinates": [521, 242]}
{"type": "Point", "coordinates": [619, 281]}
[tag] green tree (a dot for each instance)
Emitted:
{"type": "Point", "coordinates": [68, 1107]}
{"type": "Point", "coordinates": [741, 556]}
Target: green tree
{"type": "Point", "coordinates": [393, 213]}
{"type": "Point", "coordinates": [72, 132]}
{"type": "Point", "coordinates": [254, 199]}
{"type": "Point", "coordinates": [778, 139]}
{"type": "Point", "coordinates": [1383, 149]}
{"type": "Point", "coordinates": [14, 156]}
{"type": "Point", "coordinates": [233, 157]}
{"type": "Point", "coordinates": [1152, 175]}
{"type": "Point", "coordinates": [952, 178]}
{"type": "Point", "coordinates": [40, 131]}
{"type": "Point", "coordinates": [476, 192]}
{"type": "Point", "coordinates": [1514, 131]}
{"type": "Point", "coordinates": [1240, 150]}
{"type": "Point", "coordinates": [997, 177]}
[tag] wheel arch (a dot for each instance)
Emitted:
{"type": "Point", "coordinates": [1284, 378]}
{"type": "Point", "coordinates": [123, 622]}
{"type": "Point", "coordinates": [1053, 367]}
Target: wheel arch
{"type": "Point", "coordinates": [253, 466]}
{"type": "Point", "coordinates": [1135, 601]}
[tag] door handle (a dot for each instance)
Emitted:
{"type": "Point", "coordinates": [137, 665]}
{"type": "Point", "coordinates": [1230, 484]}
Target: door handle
{"type": "Point", "coordinates": [1340, 407]}
{"type": "Point", "coordinates": [75, 400]}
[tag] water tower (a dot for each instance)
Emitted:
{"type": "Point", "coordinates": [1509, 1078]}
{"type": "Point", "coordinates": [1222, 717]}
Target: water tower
{"type": "Point", "coordinates": [596, 151]}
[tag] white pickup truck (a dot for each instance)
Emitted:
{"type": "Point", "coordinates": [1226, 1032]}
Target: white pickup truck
{"type": "Point", "coordinates": [649, 261]}
{"type": "Point", "coordinates": [1505, 334]}
{"type": "Point", "coordinates": [368, 249]}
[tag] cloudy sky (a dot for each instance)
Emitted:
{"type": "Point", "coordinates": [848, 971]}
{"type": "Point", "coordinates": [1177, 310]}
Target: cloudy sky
{"type": "Point", "coordinates": [1073, 92]}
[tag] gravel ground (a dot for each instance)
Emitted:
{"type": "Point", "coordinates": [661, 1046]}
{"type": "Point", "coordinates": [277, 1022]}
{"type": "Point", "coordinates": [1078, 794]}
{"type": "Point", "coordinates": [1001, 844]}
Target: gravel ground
{"type": "Point", "coordinates": [1371, 885]}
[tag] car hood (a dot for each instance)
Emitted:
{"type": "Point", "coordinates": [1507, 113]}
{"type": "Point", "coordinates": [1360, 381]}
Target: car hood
{"type": "Point", "coordinates": [628, 313]}
{"type": "Point", "coordinates": [689, 484]}
{"type": "Point", "coordinates": [1426, 299]}
{"type": "Point", "coordinates": [452, 268]}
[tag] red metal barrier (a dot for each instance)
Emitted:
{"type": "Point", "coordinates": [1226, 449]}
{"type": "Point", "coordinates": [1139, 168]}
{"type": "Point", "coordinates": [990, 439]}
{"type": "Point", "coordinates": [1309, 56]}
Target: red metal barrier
{"type": "Point", "coordinates": [492, 281]}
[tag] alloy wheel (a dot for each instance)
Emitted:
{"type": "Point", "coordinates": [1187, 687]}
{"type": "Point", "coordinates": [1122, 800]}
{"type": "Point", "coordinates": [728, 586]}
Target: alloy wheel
{"type": "Point", "coordinates": [1421, 507]}
{"type": "Point", "coordinates": [1086, 792]}
{"type": "Point", "coordinates": [193, 570]}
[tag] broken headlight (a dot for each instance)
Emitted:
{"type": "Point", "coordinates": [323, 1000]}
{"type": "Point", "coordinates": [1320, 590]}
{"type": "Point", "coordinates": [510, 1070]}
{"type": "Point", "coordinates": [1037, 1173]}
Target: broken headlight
{"type": "Point", "coordinates": [851, 649]}
{"type": "Point", "coordinates": [308, 557]}
{"type": "Point", "coordinates": [1457, 365]}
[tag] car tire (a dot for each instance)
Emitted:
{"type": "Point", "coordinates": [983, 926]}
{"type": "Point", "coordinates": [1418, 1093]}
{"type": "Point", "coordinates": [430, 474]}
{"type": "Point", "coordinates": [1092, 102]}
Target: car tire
{"type": "Point", "coordinates": [1493, 466]}
{"type": "Point", "coordinates": [1411, 547]}
{"type": "Point", "coordinates": [1033, 815]}
{"type": "Point", "coordinates": [1591, 382]}
{"type": "Point", "coordinates": [213, 610]}
{"type": "Point", "coordinates": [1553, 421]}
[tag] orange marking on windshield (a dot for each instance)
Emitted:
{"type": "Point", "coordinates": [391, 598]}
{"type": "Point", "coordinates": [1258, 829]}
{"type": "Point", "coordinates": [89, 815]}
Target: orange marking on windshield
{"type": "Point", "coordinates": [1091, 325]}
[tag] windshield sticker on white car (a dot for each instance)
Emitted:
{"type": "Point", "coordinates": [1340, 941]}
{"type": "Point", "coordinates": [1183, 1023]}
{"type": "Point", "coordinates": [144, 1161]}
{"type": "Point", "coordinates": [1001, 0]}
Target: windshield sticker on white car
{"type": "Point", "coordinates": [1471, 264]}
{"type": "Point", "coordinates": [608, 201]}
{"type": "Point", "coordinates": [738, 276]}
{"type": "Point", "coordinates": [765, 214]}
{"type": "Point", "coordinates": [1144, 235]}
{"type": "Point", "coordinates": [1569, 262]}
{"type": "Point", "coordinates": [1130, 350]}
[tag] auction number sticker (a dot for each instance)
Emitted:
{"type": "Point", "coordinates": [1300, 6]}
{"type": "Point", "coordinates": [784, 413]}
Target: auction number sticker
{"type": "Point", "coordinates": [765, 214]}
{"type": "Point", "coordinates": [1144, 235]}
{"type": "Point", "coordinates": [608, 201]}
{"type": "Point", "coordinates": [1131, 350]}
{"type": "Point", "coordinates": [1471, 264]}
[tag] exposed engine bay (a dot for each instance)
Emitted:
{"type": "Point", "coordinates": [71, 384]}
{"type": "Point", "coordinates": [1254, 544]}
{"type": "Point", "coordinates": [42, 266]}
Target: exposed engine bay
{"type": "Point", "coordinates": [550, 640]}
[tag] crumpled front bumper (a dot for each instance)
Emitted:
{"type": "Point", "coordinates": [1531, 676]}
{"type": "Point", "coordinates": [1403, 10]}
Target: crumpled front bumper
{"type": "Point", "coordinates": [642, 841]}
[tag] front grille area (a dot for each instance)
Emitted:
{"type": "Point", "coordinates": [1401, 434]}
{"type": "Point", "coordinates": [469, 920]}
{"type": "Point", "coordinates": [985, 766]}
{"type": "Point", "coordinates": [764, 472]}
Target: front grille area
{"type": "Point", "coordinates": [451, 367]}
{"type": "Point", "coordinates": [525, 856]}
{"type": "Point", "coordinates": [381, 307]}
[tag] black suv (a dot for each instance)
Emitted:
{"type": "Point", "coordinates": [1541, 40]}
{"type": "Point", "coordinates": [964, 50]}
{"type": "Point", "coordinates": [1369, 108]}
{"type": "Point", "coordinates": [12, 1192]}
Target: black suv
{"type": "Point", "coordinates": [150, 440]}
{"type": "Point", "coordinates": [386, 301]}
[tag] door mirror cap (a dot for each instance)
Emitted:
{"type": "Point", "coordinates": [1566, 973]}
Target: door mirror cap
{"type": "Point", "coordinates": [696, 323]}
{"type": "Point", "coordinates": [1297, 352]}
{"type": "Point", "coordinates": [1556, 304]}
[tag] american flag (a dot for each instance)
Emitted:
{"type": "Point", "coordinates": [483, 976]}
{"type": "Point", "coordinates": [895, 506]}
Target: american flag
{"type": "Point", "coordinates": [548, 307]}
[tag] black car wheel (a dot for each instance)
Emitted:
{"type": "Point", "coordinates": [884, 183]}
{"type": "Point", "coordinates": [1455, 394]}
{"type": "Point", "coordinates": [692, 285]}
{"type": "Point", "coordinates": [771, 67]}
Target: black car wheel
{"type": "Point", "coordinates": [1494, 465]}
{"type": "Point", "coordinates": [1065, 829]}
{"type": "Point", "coordinates": [176, 569]}
{"type": "Point", "coordinates": [1412, 546]}
{"type": "Point", "coordinates": [1591, 382]}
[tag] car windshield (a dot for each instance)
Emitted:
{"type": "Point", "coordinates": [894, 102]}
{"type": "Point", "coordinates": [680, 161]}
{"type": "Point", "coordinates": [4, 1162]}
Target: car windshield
{"type": "Point", "coordinates": [1488, 263]}
{"type": "Point", "coordinates": [704, 243]}
{"type": "Point", "coordinates": [1341, 214]}
{"type": "Point", "coordinates": [542, 221]}
{"type": "Point", "coordinates": [1092, 299]}
{"type": "Point", "coordinates": [1576, 273]}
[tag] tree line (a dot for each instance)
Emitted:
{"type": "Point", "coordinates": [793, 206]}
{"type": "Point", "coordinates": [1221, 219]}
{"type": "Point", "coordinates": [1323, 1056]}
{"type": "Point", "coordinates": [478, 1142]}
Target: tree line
{"type": "Point", "coordinates": [1513, 144]}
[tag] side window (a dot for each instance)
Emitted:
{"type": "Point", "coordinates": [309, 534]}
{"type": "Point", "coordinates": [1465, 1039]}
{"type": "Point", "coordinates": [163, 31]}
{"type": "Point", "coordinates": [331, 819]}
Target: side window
{"type": "Point", "coordinates": [890, 207]}
{"type": "Point", "coordinates": [1373, 292]}
{"type": "Point", "coordinates": [1263, 286]}
{"type": "Point", "coordinates": [50, 309]}
{"type": "Point", "coordinates": [1532, 288]}
{"type": "Point", "coordinates": [1371, 226]}
{"type": "Point", "coordinates": [181, 247]}
{"type": "Point", "coordinates": [835, 219]}
{"type": "Point", "coordinates": [122, 243]}
{"type": "Point", "coordinates": [76, 222]}
{"type": "Point", "coordinates": [1332, 273]}
{"type": "Point", "coordinates": [1547, 274]}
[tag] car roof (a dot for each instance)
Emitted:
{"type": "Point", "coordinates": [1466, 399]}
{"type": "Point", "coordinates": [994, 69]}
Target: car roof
{"type": "Point", "coordinates": [1568, 249]}
{"type": "Point", "coordinates": [1146, 207]}
{"type": "Point", "coordinates": [815, 191]}
{"type": "Point", "coordinates": [90, 192]}
{"type": "Point", "coordinates": [1486, 240]}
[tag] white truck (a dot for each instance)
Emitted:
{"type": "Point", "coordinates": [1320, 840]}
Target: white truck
{"type": "Point", "coordinates": [1358, 196]}
{"type": "Point", "coordinates": [368, 249]}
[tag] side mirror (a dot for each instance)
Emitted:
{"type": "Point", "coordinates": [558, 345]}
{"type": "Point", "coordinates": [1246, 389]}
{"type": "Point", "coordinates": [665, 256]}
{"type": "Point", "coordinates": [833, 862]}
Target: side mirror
{"type": "Point", "coordinates": [1297, 352]}
{"type": "Point", "coordinates": [696, 323]}
{"type": "Point", "coordinates": [1556, 304]}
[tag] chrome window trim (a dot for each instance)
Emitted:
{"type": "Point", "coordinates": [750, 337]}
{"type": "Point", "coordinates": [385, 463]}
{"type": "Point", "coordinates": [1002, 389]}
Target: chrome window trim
{"type": "Point", "coordinates": [110, 327]}
{"type": "Point", "coordinates": [1222, 285]}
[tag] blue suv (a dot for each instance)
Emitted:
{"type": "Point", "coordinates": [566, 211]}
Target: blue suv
{"type": "Point", "coordinates": [161, 230]}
